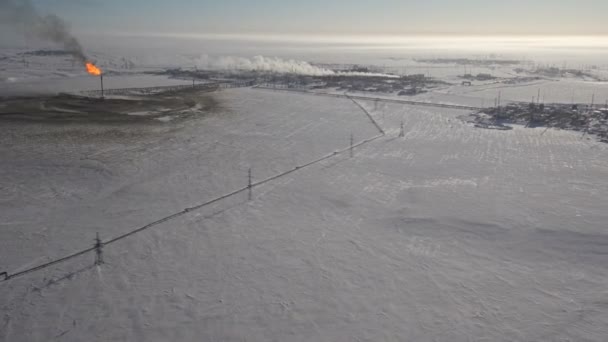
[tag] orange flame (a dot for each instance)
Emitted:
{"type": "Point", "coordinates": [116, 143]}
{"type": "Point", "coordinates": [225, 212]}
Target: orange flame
{"type": "Point", "coordinates": [93, 69]}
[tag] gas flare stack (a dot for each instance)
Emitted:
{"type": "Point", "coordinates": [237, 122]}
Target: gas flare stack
{"type": "Point", "coordinates": [92, 69]}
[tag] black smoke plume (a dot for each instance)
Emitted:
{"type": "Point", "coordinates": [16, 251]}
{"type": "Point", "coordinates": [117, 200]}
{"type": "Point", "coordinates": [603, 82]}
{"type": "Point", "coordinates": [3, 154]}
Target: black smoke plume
{"type": "Point", "coordinates": [22, 16]}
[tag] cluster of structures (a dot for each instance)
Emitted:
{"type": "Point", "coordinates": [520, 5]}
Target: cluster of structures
{"type": "Point", "coordinates": [479, 77]}
{"type": "Point", "coordinates": [403, 86]}
{"type": "Point", "coordinates": [554, 72]}
{"type": "Point", "coordinates": [359, 80]}
{"type": "Point", "coordinates": [583, 118]}
{"type": "Point", "coordinates": [469, 78]}
{"type": "Point", "coordinates": [467, 61]}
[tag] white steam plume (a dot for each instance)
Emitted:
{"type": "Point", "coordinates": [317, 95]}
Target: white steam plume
{"type": "Point", "coordinates": [271, 64]}
{"type": "Point", "coordinates": [261, 63]}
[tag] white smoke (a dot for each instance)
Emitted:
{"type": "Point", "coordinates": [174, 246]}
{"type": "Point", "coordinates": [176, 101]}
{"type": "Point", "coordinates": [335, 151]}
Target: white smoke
{"type": "Point", "coordinates": [271, 64]}
{"type": "Point", "coordinates": [364, 74]}
{"type": "Point", "coordinates": [261, 63]}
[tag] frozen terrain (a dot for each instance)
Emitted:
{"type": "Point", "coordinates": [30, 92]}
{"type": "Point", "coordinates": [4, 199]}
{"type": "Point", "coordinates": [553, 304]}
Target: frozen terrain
{"type": "Point", "coordinates": [450, 233]}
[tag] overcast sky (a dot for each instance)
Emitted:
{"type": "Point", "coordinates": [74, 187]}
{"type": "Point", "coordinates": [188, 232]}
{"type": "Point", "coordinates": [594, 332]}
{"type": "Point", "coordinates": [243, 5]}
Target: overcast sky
{"type": "Point", "coordinates": [350, 17]}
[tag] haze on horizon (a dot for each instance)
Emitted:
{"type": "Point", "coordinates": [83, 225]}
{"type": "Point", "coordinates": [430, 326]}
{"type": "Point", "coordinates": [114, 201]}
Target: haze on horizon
{"type": "Point", "coordinates": [338, 17]}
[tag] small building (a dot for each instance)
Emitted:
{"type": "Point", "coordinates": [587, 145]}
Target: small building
{"type": "Point", "coordinates": [484, 77]}
{"type": "Point", "coordinates": [409, 92]}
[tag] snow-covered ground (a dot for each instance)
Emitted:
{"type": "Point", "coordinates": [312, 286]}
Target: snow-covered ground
{"type": "Point", "coordinates": [451, 233]}
{"type": "Point", "coordinates": [551, 91]}
{"type": "Point", "coordinates": [484, 95]}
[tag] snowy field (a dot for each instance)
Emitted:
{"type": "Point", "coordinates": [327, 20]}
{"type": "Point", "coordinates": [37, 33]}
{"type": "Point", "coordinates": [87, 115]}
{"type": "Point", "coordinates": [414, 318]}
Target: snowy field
{"type": "Point", "coordinates": [484, 95]}
{"type": "Point", "coordinates": [551, 91]}
{"type": "Point", "coordinates": [450, 233]}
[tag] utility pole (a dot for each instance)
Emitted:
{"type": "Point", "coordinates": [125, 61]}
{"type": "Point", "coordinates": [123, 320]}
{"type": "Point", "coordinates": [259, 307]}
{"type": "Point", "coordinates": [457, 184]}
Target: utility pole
{"type": "Point", "coordinates": [250, 186]}
{"type": "Point", "coordinates": [402, 132]}
{"type": "Point", "coordinates": [101, 77]}
{"type": "Point", "coordinates": [98, 251]}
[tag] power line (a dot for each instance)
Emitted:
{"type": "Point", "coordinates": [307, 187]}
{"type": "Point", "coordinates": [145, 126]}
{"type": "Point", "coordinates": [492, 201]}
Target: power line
{"type": "Point", "coordinates": [249, 187]}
